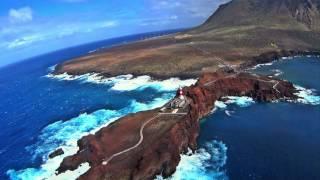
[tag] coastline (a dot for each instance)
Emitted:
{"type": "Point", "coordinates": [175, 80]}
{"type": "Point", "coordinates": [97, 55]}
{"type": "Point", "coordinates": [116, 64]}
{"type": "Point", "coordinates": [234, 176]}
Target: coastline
{"type": "Point", "coordinates": [197, 111]}
{"type": "Point", "coordinates": [35, 170]}
{"type": "Point", "coordinates": [273, 56]}
{"type": "Point", "coordinates": [263, 58]}
{"type": "Point", "coordinates": [138, 133]}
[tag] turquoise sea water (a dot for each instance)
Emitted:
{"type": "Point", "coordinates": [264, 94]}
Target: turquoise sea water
{"type": "Point", "coordinates": [242, 140]}
{"type": "Point", "coordinates": [39, 113]}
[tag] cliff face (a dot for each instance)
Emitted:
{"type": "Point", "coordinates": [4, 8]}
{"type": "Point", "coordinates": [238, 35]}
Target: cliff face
{"type": "Point", "coordinates": [285, 14]}
{"type": "Point", "coordinates": [165, 136]}
{"type": "Point", "coordinates": [241, 33]}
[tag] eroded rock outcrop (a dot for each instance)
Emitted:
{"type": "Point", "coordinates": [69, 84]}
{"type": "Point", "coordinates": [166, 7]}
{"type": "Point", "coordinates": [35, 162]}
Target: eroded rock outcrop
{"type": "Point", "coordinates": [165, 137]}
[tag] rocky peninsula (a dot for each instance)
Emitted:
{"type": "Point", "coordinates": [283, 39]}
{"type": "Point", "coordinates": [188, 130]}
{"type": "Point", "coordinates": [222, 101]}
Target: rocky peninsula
{"type": "Point", "coordinates": [146, 144]}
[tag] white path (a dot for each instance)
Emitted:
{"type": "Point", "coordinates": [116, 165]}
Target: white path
{"type": "Point", "coordinates": [211, 82]}
{"type": "Point", "coordinates": [105, 162]}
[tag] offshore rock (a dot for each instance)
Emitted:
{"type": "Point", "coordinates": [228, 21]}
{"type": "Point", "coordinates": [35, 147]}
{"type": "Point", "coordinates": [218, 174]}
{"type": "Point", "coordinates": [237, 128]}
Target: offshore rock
{"type": "Point", "coordinates": [56, 153]}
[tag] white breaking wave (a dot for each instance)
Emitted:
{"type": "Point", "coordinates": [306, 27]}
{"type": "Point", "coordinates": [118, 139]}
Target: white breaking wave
{"type": "Point", "coordinates": [84, 167]}
{"type": "Point", "coordinates": [282, 59]}
{"type": "Point", "coordinates": [220, 104]}
{"type": "Point", "coordinates": [307, 96]}
{"type": "Point", "coordinates": [286, 58]}
{"type": "Point", "coordinates": [206, 163]}
{"type": "Point", "coordinates": [260, 65]}
{"type": "Point", "coordinates": [92, 51]}
{"type": "Point", "coordinates": [277, 72]}
{"type": "Point", "coordinates": [228, 113]}
{"type": "Point", "coordinates": [127, 82]}
{"type": "Point", "coordinates": [242, 101]}
{"type": "Point", "coordinates": [64, 134]}
{"type": "Point", "coordinates": [52, 68]}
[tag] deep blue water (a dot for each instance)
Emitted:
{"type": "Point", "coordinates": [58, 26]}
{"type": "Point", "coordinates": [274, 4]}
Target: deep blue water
{"type": "Point", "coordinates": [39, 114]}
{"type": "Point", "coordinates": [271, 140]}
{"type": "Point", "coordinates": [259, 141]}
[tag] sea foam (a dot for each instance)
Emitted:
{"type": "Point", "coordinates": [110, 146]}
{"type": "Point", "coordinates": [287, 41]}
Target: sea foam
{"type": "Point", "coordinates": [277, 72]}
{"type": "Point", "coordinates": [206, 163]}
{"type": "Point", "coordinates": [307, 96]}
{"type": "Point", "coordinates": [127, 82]}
{"type": "Point", "coordinates": [64, 134]}
{"type": "Point", "coordinates": [260, 65]}
{"type": "Point", "coordinates": [242, 101]}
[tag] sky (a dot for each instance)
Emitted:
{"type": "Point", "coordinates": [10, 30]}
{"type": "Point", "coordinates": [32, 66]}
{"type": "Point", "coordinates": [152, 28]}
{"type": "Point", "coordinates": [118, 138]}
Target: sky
{"type": "Point", "coordinates": [32, 27]}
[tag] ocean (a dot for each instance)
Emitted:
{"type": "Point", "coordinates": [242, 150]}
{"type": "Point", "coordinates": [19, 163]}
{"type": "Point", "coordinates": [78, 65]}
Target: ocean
{"type": "Point", "coordinates": [40, 112]}
{"type": "Point", "coordinates": [279, 140]}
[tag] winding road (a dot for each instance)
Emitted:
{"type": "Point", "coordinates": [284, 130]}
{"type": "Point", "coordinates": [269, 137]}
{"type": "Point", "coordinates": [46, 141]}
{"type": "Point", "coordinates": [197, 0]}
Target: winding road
{"type": "Point", "coordinates": [211, 82]}
{"type": "Point", "coordinates": [105, 162]}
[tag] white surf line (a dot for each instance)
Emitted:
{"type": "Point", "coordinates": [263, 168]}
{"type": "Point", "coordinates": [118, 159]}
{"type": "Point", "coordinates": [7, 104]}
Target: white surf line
{"type": "Point", "coordinates": [105, 162]}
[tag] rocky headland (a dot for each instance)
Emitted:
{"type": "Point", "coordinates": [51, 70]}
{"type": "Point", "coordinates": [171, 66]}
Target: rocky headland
{"type": "Point", "coordinates": [114, 152]}
{"type": "Point", "coordinates": [239, 35]}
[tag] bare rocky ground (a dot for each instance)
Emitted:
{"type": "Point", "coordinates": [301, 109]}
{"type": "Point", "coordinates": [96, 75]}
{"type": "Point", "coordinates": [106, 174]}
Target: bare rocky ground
{"type": "Point", "coordinates": [237, 34]}
{"type": "Point", "coordinates": [149, 143]}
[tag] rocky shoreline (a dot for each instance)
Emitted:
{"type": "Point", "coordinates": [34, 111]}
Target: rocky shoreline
{"type": "Point", "coordinates": [290, 28]}
{"type": "Point", "coordinates": [274, 56]}
{"type": "Point", "coordinates": [263, 58]}
{"type": "Point", "coordinates": [167, 136]}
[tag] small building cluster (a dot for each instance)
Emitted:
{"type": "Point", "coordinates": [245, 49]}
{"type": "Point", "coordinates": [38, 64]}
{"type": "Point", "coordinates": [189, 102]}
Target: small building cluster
{"type": "Point", "coordinates": [179, 102]}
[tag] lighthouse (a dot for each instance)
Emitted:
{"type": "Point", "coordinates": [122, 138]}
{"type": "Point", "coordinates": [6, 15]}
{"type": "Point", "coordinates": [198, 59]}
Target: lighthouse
{"type": "Point", "coordinates": [181, 95]}
{"type": "Point", "coordinates": [179, 102]}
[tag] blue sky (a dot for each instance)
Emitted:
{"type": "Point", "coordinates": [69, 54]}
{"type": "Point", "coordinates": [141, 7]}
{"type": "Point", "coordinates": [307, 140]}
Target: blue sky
{"type": "Point", "coordinates": [32, 27]}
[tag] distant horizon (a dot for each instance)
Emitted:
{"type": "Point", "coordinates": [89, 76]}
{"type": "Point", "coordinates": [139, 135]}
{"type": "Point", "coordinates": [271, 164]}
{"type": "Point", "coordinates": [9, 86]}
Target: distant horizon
{"type": "Point", "coordinates": [30, 28]}
{"type": "Point", "coordinates": [170, 31]}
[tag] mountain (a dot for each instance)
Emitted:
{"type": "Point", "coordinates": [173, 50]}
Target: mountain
{"type": "Point", "coordinates": [278, 14]}
{"type": "Point", "coordinates": [240, 33]}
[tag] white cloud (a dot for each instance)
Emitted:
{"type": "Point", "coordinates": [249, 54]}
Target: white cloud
{"type": "Point", "coordinates": [24, 35]}
{"type": "Point", "coordinates": [193, 8]}
{"type": "Point", "coordinates": [174, 17]}
{"type": "Point", "coordinates": [107, 24]}
{"type": "Point", "coordinates": [25, 41]}
{"type": "Point", "coordinates": [167, 14]}
{"type": "Point", "coordinates": [21, 15]}
{"type": "Point", "coordinates": [160, 21]}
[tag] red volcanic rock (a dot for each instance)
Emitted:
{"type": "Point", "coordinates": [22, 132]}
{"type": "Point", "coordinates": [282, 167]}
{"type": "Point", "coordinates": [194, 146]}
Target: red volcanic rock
{"type": "Point", "coordinates": [165, 137]}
